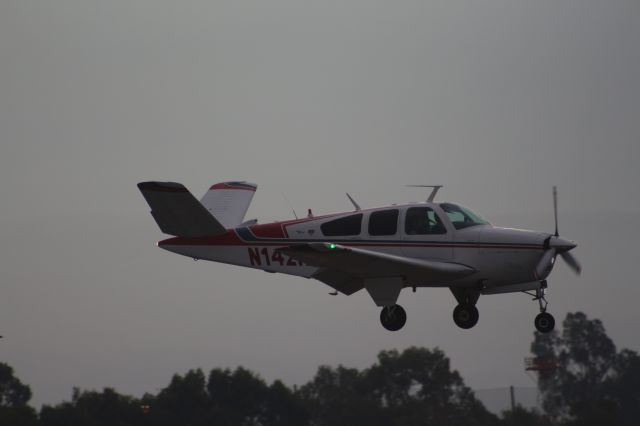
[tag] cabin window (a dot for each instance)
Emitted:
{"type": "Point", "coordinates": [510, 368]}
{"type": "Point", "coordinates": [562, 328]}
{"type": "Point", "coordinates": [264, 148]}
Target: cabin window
{"type": "Point", "coordinates": [384, 222]}
{"type": "Point", "coordinates": [462, 217]}
{"type": "Point", "coordinates": [343, 227]}
{"type": "Point", "coordinates": [423, 221]}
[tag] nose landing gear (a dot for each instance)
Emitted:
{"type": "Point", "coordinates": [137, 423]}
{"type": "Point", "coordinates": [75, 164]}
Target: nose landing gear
{"type": "Point", "coordinates": [544, 321]}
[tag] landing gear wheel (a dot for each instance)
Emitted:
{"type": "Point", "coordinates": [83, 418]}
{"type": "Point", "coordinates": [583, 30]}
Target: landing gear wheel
{"type": "Point", "coordinates": [393, 317]}
{"type": "Point", "coordinates": [465, 315]}
{"type": "Point", "coordinates": [544, 322]}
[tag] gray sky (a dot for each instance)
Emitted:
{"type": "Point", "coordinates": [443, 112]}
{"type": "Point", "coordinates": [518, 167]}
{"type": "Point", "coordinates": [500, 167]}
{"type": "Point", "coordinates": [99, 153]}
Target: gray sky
{"type": "Point", "coordinates": [497, 100]}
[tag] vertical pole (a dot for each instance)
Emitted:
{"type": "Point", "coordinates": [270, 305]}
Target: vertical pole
{"type": "Point", "coordinates": [513, 398]}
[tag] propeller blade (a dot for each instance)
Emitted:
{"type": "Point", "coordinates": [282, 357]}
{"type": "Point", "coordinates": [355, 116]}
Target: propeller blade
{"type": "Point", "coordinates": [572, 262]}
{"type": "Point", "coordinates": [555, 207]}
{"type": "Point", "coordinates": [543, 269]}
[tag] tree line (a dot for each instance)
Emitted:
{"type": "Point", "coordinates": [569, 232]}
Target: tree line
{"type": "Point", "coordinates": [586, 381]}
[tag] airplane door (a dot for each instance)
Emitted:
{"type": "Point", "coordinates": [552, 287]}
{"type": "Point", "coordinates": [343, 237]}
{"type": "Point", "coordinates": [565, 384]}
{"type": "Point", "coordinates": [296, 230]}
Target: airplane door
{"type": "Point", "coordinates": [425, 234]}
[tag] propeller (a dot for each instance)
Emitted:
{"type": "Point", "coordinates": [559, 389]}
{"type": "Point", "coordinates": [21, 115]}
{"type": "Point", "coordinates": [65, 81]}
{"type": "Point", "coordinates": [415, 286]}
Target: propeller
{"type": "Point", "coordinates": [571, 262]}
{"type": "Point", "coordinates": [557, 246]}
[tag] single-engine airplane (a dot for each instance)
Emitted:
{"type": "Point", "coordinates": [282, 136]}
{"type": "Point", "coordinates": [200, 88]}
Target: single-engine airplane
{"type": "Point", "coordinates": [383, 249]}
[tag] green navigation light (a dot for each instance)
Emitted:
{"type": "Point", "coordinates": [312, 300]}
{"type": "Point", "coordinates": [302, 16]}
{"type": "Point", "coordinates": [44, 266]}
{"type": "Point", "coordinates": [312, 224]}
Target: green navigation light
{"type": "Point", "coordinates": [332, 245]}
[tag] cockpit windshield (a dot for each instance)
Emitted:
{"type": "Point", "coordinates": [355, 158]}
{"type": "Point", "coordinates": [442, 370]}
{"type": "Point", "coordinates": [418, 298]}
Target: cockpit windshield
{"type": "Point", "coordinates": [462, 217]}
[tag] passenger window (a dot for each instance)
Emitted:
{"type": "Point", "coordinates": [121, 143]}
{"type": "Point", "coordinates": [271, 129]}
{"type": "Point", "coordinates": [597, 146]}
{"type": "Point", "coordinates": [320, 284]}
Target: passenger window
{"type": "Point", "coordinates": [384, 222]}
{"type": "Point", "coordinates": [423, 221]}
{"type": "Point", "coordinates": [344, 226]}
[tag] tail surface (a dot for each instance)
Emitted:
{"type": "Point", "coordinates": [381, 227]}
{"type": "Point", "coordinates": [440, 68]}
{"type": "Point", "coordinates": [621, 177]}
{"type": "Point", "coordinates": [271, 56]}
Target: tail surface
{"type": "Point", "coordinates": [177, 212]}
{"type": "Point", "coordinates": [228, 201]}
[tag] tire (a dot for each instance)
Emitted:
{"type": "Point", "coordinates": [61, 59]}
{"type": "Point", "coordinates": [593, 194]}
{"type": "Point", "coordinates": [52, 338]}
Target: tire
{"type": "Point", "coordinates": [393, 318]}
{"type": "Point", "coordinates": [465, 316]}
{"type": "Point", "coordinates": [544, 322]}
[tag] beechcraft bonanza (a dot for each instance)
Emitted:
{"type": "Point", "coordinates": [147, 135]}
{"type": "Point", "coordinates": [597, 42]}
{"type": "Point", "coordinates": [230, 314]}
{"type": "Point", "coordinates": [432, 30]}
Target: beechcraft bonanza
{"type": "Point", "coordinates": [383, 250]}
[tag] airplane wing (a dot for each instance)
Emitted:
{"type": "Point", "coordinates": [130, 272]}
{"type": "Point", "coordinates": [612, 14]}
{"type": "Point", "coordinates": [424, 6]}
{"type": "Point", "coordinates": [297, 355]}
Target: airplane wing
{"type": "Point", "coordinates": [349, 269]}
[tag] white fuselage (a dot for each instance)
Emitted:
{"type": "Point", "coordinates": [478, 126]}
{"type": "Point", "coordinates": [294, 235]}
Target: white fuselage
{"type": "Point", "coordinates": [504, 259]}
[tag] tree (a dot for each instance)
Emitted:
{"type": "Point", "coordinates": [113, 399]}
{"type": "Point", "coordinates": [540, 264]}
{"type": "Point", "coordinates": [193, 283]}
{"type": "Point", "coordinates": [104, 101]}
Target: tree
{"type": "Point", "coordinates": [584, 354]}
{"type": "Point", "coordinates": [415, 387]}
{"type": "Point", "coordinates": [339, 396]}
{"type": "Point", "coordinates": [520, 416]}
{"type": "Point", "coordinates": [226, 398]}
{"type": "Point", "coordinates": [592, 384]}
{"type": "Point", "coordinates": [243, 398]}
{"type": "Point", "coordinates": [184, 401]}
{"type": "Point", "coordinates": [92, 408]}
{"type": "Point", "coordinates": [624, 387]}
{"type": "Point", "coordinates": [14, 396]}
{"type": "Point", "coordinates": [12, 392]}
{"type": "Point", "coordinates": [236, 397]}
{"type": "Point", "coordinates": [418, 386]}
{"type": "Point", "coordinates": [284, 407]}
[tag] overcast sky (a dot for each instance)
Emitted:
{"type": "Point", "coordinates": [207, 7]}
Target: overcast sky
{"type": "Point", "coordinates": [497, 100]}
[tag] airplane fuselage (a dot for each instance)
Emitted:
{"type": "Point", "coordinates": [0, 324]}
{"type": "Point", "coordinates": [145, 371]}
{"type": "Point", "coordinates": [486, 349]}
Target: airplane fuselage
{"type": "Point", "coordinates": [501, 257]}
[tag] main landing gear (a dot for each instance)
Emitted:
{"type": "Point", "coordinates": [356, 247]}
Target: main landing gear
{"type": "Point", "coordinates": [393, 317]}
{"type": "Point", "coordinates": [465, 315]}
{"type": "Point", "coordinates": [544, 321]}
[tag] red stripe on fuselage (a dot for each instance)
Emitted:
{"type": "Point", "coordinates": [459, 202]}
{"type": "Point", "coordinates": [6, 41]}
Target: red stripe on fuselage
{"type": "Point", "coordinates": [232, 239]}
{"type": "Point", "coordinates": [269, 230]}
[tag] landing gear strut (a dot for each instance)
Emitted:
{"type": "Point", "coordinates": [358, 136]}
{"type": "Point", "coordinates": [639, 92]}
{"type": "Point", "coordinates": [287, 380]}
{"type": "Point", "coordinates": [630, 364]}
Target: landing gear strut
{"type": "Point", "coordinates": [544, 321]}
{"type": "Point", "coordinates": [465, 315]}
{"type": "Point", "coordinates": [393, 317]}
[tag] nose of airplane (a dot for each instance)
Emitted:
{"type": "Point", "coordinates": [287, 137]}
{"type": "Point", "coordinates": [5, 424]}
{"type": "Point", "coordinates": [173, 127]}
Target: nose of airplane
{"type": "Point", "coordinates": [561, 245]}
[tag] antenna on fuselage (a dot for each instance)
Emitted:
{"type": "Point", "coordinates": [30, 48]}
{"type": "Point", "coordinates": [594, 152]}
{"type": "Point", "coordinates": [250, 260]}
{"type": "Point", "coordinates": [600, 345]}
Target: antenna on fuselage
{"type": "Point", "coordinates": [290, 206]}
{"type": "Point", "coordinates": [354, 202]}
{"type": "Point", "coordinates": [434, 191]}
{"type": "Point", "coordinates": [555, 208]}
